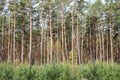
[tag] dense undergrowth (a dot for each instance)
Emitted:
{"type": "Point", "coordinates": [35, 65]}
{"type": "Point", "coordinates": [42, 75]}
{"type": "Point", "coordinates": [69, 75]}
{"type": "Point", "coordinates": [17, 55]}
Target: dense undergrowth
{"type": "Point", "coordinates": [60, 71]}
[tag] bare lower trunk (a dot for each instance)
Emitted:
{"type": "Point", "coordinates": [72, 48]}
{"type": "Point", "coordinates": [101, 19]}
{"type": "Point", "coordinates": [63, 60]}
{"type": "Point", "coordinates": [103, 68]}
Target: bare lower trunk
{"type": "Point", "coordinates": [51, 42]}
{"type": "Point", "coordinates": [2, 55]}
{"type": "Point", "coordinates": [62, 16]}
{"type": "Point", "coordinates": [78, 47]}
{"type": "Point", "coordinates": [30, 45]}
{"type": "Point", "coordinates": [22, 49]}
{"type": "Point", "coordinates": [91, 56]}
{"type": "Point", "coordinates": [41, 46]}
{"type": "Point", "coordinates": [72, 35]}
{"type": "Point", "coordinates": [82, 48]}
{"type": "Point", "coordinates": [107, 48]}
{"type": "Point", "coordinates": [100, 42]}
{"type": "Point", "coordinates": [14, 41]}
{"type": "Point", "coordinates": [111, 42]}
{"type": "Point", "coordinates": [57, 39]}
{"type": "Point", "coordinates": [103, 44]}
{"type": "Point", "coordinates": [9, 41]}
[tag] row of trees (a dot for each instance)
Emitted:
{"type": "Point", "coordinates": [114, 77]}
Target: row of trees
{"type": "Point", "coordinates": [45, 31]}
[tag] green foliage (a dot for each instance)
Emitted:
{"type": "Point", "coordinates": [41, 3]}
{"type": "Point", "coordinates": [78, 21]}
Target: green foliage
{"type": "Point", "coordinates": [6, 72]}
{"type": "Point", "coordinates": [60, 71]}
{"type": "Point", "coordinates": [25, 73]}
{"type": "Point", "coordinates": [99, 72]}
{"type": "Point", "coordinates": [51, 72]}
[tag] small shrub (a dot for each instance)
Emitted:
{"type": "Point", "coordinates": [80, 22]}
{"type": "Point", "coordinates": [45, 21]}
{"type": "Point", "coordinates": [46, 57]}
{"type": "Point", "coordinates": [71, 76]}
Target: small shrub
{"type": "Point", "coordinates": [60, 71]}
{"type": "Point", "coordinates": [6, 72]}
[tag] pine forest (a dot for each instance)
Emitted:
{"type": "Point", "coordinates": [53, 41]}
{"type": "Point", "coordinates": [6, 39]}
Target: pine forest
{"type": "Point", "coordinates": [59, 39]}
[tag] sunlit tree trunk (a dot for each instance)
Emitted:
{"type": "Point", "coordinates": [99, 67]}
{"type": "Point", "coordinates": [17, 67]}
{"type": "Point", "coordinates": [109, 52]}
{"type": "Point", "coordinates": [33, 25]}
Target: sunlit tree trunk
{"type": "Point", "coordinates": [44, 44]}
{"type": "Point", "coordinates": [57, 41]}
{"type": "Point", "coordinates": [72, 34]}
{"type": "Point", "coordinates": [41, 50]}
{"type": "Point", "coordinates": [62, 24]}
{"type": "Point", "coordinates": [22, 41]}
{"type": "Point", "coordinates": [48, 58]}
{"type": "Point", "coordinates": [103, 53]}
{"type": "Point", "coordinates": [51, 42]}
{"type": "Point", "coordinates": [66, 51]}
{"type": "Point", "coordinates": [111, 41]}
{"type": "Point", "coordinates": [30, 43]}
{"type": "Point", "coordinates": [22, 46]}
{"type": "Point", "coordinates": [64, 33]}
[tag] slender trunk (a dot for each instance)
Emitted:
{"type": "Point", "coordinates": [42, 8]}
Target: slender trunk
{"type": "Point", "coordinates": [41, 46]}
{"type": "Point", "coordinates": [100, 43]}
{"type": "Point", "coordinates": [51, 42]}
{"type": "Point", "coordinates": [72, 35]}
{"type": "Point", "coordinates": [22, 45]}
{"type": "Point", "coordinates": [57, 39]}
{"type": "Point", "coordinates": [48, 51]}
{"type": "Point", "coordinates": [62, 16]}
{"type": "Point", "coordinates": [44, 44]}
{"type": "Point", "coordinates": [111, 42]}
{"type": "Point", "coordinates": [14, 41]}
{"type": "Point", "coordinates": [87, 50]}
{"type": "Point", "coordinates": [91, 56]}
{"type": "Point", "coordinates": [45, 47]}
{"type": "Point", "coordinates": [66, 52]}
{"type": "Point", "coordinates": [82, 47]}
{"type": "Point", "coordinates": [2, 58]}
{"type": "Point", "coordinates": [96, 46]}
{"type": "Point", "coordinates": [65, 45]}
{"type": "Point", "coordinates": [9, 41]}
{"type": "Point", "coordinates": [78, 47]}
{"type": "Point", "coordinates": [30, 45]}
{"type": "Point", "coordinates": [107, 46]}
{"type": "Point", "coordinates": [103, 43]}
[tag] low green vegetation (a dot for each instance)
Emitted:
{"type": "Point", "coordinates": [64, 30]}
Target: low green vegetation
{"type": "Point", "coordinates": [60, 71]}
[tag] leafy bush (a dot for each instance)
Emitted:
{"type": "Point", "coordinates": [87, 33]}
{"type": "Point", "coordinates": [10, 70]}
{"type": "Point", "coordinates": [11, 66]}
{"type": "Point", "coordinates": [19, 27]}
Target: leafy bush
{"type": "Point", "coordinates": [23, 72]}
{"type": "Point", "coordinates": [60, 71]}
{"type": "Point", "coordinates": [6, 72]}
{"type": "Point", "coordinates": [99, 72]}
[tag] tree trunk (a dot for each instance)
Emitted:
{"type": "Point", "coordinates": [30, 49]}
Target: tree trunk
{"type": "Point", "coordinates": [62, 16]}
{"type": "Point", "coordinates": [14, 41]}
{"type": "Point", "coordinates": [100, 42]}
{"type": "Point", "coordinates": [2, 55]}
{"type": "Point", "coordinates": [78, 47]}
{"type": "Point", "coordinates": [72, 35]}
{"type": "Point", "coordinates": [9, 41]}
{"type": "Point", "coordinates": [57, 40]}
{"type": "Point", "coordinates": [30, 45]}
{"type": "Point", "coordinates": [103, 53]}
{"type": "Point", "coordinates": [22, 42]}
{"type": "Point", "coordinates": [111, 42]}
{"type": "Point", "coordinates": [51, 42]}
{"type": "Point", "coordinates": [41, 46]}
